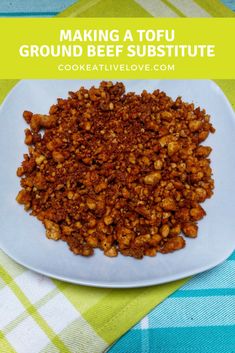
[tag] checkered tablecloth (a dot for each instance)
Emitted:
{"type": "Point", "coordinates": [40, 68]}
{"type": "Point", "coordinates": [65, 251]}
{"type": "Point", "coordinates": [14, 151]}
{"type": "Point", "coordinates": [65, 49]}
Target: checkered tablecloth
{"type": "Point", "coordinates": [48, 8]}
{"type": "Point", "coordinates": [50, 316]}
{"type": "Point", "coordinates": [197, 318]}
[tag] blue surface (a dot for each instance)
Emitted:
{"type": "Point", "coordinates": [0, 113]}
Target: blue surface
{"type": "Point", "coordinates": [230, 4]}
{"type": "Point", "coordinates": [31, 8]}
{"type": "Point", "coordinates": [198, 318]}
{"type": "Point", "coordinates": [218, 339]}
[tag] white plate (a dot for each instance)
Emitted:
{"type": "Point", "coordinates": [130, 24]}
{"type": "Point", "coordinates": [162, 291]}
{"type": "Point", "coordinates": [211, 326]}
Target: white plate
{"type": "Point", "coordinates": [22, 237]}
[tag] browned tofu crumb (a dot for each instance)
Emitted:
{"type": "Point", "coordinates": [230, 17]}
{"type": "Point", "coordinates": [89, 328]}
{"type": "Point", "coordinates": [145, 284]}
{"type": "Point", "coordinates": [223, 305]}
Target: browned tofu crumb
{"type": "Point", "coordinates": [117, 171]}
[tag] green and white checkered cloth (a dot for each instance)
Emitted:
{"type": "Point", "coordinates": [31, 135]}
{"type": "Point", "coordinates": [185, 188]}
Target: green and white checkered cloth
{"type": "Point", "coordinates": [38, 314]}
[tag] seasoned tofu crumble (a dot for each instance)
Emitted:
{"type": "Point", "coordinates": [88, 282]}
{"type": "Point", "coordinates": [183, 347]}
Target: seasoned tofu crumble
{"type": "Point", "coordinates": [122, 172]}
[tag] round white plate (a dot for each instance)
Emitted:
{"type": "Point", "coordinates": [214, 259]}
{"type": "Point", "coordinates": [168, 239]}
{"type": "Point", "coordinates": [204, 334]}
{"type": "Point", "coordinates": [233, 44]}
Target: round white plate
{"type": "Point", "coordinates": [23, 238]}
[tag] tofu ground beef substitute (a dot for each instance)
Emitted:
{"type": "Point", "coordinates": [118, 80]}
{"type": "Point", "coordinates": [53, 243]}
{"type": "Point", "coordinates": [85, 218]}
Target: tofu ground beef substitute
{"type": "Point", "coordinates": [118, 171]}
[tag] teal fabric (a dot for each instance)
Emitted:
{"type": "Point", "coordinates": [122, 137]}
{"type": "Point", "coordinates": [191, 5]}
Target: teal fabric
{"type": "Point", "coordinates": [230, 4]}
{"type": "Point", "coordinates": [31, 8]}
{"type": "Point", "coordinates": [198, 318]}
{"type": "Point", "coordinates": [218, 339]}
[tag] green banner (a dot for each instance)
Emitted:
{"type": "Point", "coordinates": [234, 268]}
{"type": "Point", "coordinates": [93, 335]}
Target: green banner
{"type": "Point", "coordinates": [107, 48]}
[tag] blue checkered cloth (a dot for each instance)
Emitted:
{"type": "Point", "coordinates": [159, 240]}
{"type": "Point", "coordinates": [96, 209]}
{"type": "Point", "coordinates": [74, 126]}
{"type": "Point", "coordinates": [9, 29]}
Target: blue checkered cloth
{"type": "Point", "coordinates": [198, 318]}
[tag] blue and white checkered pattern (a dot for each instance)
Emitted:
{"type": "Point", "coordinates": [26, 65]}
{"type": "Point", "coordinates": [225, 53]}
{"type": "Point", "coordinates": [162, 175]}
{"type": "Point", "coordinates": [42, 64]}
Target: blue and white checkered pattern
{"type": "Point", "coordinates": [198, 318]}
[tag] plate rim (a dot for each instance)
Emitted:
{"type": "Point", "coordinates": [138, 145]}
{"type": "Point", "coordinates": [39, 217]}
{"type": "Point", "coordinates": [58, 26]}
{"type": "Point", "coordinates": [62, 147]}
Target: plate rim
{"type": "Point", "coordinates": [121, 285]}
